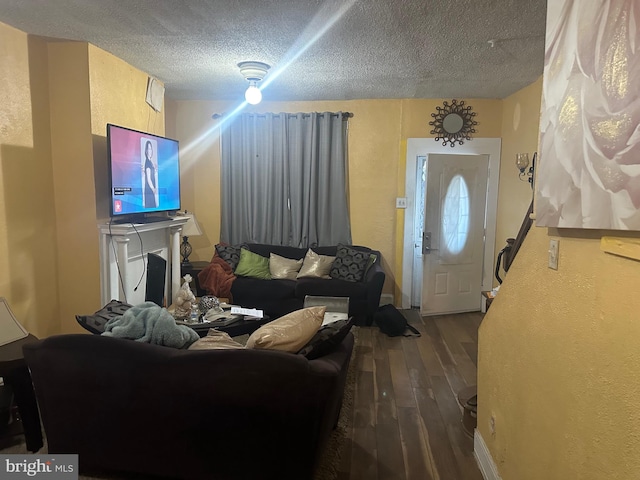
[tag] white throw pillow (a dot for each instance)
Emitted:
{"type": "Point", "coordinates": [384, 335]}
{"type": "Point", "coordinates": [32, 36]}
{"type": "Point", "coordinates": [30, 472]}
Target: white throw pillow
{"type": "Point", "coordinates": [316, 266]}
{"type": "Point", "coordinates": [289, 333]}
{"type": "Point", "coordinates": [281, 267]}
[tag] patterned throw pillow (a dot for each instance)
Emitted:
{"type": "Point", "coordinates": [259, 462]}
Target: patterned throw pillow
{"type": "Point", "coordinates": [230, 254]}
{"type": "Point", "coordinates": [350, 264]}
{"type": "Point", "coordinates": [95, 323]}
{"type": "Point", "coordinates": [327, 339]}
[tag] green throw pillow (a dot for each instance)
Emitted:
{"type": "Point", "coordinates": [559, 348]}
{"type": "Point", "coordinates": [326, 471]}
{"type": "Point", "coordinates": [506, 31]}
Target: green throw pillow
{"type": "Point", "coordinates": [252, 265]}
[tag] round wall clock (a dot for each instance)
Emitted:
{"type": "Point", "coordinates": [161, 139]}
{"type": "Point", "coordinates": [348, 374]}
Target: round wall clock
{"type": "Point", "coordinates": [453, 123]}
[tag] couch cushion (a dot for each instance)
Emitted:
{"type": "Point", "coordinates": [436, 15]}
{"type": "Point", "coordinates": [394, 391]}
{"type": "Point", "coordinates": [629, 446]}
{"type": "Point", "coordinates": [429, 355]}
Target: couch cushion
{"type": "Point", "coordinates": [229, 253]}
{"type": "Point", "coordinates": [334, 288]}
{"type": "Point", "coordinates": [252, 265]}
{"type": "Point", "coordinates": [316, 265]}
{"type": "Point", "coordinates": [350, 264]}
{"type": "Point", "coordinates": [281, 267]}
{"type": "Point", "coordinates": [216, 340]}
{"type": "Point", "coordinates": [245, 290]}
{"type": "Point", "coordinates": [327, 339]}
{"type": "Point", "coordinates": [289, 333]}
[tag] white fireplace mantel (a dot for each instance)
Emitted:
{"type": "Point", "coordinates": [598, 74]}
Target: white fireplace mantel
{"type": "Point", "coordinates": [123, 249]}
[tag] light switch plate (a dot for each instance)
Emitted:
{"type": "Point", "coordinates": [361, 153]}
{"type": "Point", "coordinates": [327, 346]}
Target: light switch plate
{"type": "Point", "coordinates": [401, 202]}
{"type": "Point", "coordinates": [553, 253]}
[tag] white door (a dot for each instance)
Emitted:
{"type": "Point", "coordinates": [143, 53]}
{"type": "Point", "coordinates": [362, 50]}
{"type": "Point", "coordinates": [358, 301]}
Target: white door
{"type": "Point", "coordinates": [453, 239]}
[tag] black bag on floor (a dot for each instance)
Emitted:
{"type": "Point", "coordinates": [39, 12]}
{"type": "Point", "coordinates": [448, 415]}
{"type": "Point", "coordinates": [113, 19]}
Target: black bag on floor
{"type": "Point", "coordinates": [392, 322]}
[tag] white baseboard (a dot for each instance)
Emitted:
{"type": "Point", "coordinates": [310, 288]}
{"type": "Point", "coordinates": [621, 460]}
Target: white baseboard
{"type": "Point", "coordinates": [483, 457]}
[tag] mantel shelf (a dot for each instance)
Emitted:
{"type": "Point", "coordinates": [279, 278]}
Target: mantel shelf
{"type": "Point", "coordinates": [123, 247]}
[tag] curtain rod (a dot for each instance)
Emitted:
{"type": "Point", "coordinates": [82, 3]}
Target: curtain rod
{"type": "Point", "coordinates": [277, 115]}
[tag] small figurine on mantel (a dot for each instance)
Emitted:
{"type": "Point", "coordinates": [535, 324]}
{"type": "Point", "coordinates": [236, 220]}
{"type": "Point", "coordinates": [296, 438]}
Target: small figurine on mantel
{"type": "Point", "coordinates": [185, 299]}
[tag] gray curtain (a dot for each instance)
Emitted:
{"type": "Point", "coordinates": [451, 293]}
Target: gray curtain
{"type": "Point", "coordinates": [284, 179]}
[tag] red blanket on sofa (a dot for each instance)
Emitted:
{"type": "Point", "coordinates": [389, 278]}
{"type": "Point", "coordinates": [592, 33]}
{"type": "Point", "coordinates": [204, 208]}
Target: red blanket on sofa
{"type": "Point", "coordinates": [217, 278]}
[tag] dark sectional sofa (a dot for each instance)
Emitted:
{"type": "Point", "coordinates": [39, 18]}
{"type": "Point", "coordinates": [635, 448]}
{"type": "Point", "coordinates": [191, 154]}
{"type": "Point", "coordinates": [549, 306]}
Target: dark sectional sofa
{"type": "Point", "coordinates": [279, 297]}
{"type": "Point", "coordinates": [135, 407]}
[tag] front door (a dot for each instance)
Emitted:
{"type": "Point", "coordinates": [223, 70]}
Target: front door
{"type": "Point", "coordinates": [454, 233]}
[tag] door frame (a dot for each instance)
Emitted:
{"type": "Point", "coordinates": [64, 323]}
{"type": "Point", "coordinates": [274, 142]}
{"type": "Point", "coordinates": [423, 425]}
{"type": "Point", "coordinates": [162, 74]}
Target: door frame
{"type": "Point", "coordinates": [425, 146]}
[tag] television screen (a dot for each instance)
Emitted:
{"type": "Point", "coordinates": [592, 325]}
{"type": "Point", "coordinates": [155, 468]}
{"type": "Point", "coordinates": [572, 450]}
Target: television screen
{"type": "Point", "coordinates": [144, 171]}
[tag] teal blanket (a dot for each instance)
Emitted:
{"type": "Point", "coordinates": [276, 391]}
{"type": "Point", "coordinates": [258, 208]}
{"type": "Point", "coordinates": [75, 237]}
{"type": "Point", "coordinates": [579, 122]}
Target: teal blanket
{"type": "Point", "coordinates": [147, 322]}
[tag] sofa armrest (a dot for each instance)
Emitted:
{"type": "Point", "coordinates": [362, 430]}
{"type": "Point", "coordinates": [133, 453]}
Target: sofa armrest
{"type": "Point", "coordinates": [208, 402]}
{"type": "Point", "coordinates": [334, 365]}
{"type": "Point", "coordinates": [375, 280]}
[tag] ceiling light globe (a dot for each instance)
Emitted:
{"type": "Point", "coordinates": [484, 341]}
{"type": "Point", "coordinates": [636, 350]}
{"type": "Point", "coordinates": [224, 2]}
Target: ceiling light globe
{"type": "Point", "coordinates": [253, 95]}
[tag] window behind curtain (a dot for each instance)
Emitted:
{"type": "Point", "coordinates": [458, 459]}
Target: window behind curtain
{"type": "Point", "coordinates": [284, 179]}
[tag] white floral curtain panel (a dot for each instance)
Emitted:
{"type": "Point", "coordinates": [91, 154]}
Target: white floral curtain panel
{"type": "Point", "coordinates": [284, 179]}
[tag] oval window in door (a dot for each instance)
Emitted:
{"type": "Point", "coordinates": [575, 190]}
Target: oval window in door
{"type": "Point", "coordinates": [455, 215]}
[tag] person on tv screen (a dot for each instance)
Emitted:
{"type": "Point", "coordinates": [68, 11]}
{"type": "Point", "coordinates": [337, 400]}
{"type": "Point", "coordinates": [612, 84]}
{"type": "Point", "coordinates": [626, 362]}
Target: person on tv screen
{"type": "Point", "coordinates": [150, 178]}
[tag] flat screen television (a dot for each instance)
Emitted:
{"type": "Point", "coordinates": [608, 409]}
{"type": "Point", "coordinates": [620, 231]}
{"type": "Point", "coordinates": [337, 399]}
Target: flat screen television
{"type": "Point", "coordinates": [144, 175]}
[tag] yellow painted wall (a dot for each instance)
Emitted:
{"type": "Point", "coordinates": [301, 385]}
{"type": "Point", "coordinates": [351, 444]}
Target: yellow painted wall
{"type": "Point", "coordinates": [117, 95]}
{"type": "Point", "coordinates": [416, 115]}
{"type": "Point", "coordinates": [559, 362]}
{"type": "Point", "coordinates": [558, 357]}
{"type": "Point", "coordinates": [56, 99]}
{"type": "Point", "coordinates": [92, 88]}
{"type": "Point", "coordinates": [377, 151]}
{"type": "Point", "coordinates": [28, 276]}
{"type": "Point", "coordinates": [520, 130]}
{"type": "Point", "coordinates": [71, 148]}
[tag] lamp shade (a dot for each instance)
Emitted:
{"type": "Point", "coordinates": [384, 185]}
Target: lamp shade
{"type": "Point", "coordinates": [522, 161]}
{"type": "Point", "coordinates": [191, 228]}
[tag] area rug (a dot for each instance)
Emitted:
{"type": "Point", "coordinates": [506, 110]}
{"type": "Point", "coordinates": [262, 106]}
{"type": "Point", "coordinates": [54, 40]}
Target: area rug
{"type": "Point", "coordinates": [326, 470]}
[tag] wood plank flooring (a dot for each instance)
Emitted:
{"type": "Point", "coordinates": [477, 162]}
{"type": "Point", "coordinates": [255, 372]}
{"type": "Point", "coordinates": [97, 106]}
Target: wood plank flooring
{"type": "Point", "coordinates": [406, 417]}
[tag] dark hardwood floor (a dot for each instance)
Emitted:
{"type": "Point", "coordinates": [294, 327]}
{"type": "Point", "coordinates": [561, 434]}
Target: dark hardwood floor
{"type": "Point", "coordinates": [406, 417]}
{"type": "Point", "coordinates": [406, 421]}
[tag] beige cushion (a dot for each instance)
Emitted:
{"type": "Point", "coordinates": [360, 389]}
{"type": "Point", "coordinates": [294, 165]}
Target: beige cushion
{"type": "Point", "coordinates": [315, 265]}
{"type": "Point", "coordinates": [289, 333]}
{"type": "Point", "coordinates": [281, 267]}
{"type": "Point", "coordinates": [215, 340]}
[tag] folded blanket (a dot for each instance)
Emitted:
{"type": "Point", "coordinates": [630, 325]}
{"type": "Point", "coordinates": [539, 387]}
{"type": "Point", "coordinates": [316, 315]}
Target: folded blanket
{"type": "Point", "coordinates": [217, 278]}
{"type": "Point", "coordinates": [147, 322]}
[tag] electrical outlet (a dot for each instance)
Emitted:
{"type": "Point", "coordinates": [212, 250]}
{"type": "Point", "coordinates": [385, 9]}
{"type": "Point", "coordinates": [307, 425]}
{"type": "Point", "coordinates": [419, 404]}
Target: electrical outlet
{"type": "Point", "coordinates": [401, 202]}
{"type": "Point", "coordinates": [553, 253]}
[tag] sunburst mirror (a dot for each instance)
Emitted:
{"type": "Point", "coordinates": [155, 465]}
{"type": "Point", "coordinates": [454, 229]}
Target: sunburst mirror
{"type": "Point", "coordinates": [453, 123]}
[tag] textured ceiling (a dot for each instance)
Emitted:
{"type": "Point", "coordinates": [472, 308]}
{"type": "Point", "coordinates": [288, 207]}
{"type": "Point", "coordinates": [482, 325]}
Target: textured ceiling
{"type": "Point", "coordinates": [318, 50]}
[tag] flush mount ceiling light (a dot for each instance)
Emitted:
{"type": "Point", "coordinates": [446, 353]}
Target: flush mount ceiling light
{"type": "Point", "coordinates": [254, 72]}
